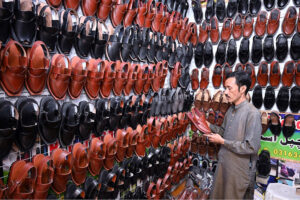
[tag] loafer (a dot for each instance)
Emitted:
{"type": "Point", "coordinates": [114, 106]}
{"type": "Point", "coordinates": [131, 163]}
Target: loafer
{"type": "Point", "coordinates": [214, 30]}
{"type": "Point", "coordinates": [195, 79]}
{"type": "Point", "coordinates": [264, 164]}
{"type": "Point", "coordinates": [243, 7]}
{"type": "Point", "coordinates": [210, 10]}
{"type": "Point", "coordinates": [282, 3]}
{"type": "Point", "coordinates": [220, 10]}
{"type": "Point", "coordinates": [254, 7]}
{"type": "Point", "coordinates": [249, 68]}
{"type": "Point", "coordinates": [226, 30]}
{"type": "Point", "coordinates": [204, 78]}
{"type": "Point", "coordinates": [296, 3]}
{"type": "Point", "coordinates": [226, 71]}
{"type": "Point", "coordinates": [221, 53]}
{"type": "Point", "coordinates": [275, 75]}
{"type": "Point", "coordinates": [262, 74]}
{"type": "Point", "coordinates": [288, 74]}
{"type": "Point", "coordinates": [197, 10]}
{"type": "Point", "coordinates": [257, 98]}
{"type": "Point", "coordinates": [297, 73]}
{"type": "Point", "coordinates": [288, 127]}
{"type": "Point", "coordinates": [269, 4]}
{"type": "Point", "coordinates": [269, 99]}
{"type": "Point", "coordinates": [260, 25]}
{"type": "Point", "coordinates": [294, 48]}
{"type": "Point", "coordinates": [274, 123]}
{"type": "Point", "coordinates": [268, 48]}
{"type": "Point", "coordinates": [203, 32]}
{"type": "Point", "coordinates": [282, 99]}
{"type": "Point", "coordinates": [232, 8]}
{"type": "Point", "coordinates": [244, 51]}
{"type": "Point", "coordinates": [231, 52]}
{"type": "Point", "coordinates": [199, 51]}
{"type": "Point", "coordinates": [239, 67]}
{"type": "Point", "coordinates": [281, 47]}
{"type": "Point", "coordinates": [208, 54]}
{"type": "Point", "coordinates": [256, 51]}
{"type": "Point", "coordinates": [248, 26]}
{"type": "Point", "coordinates": [217, 76]}
{"type": "Point", "coordinates": [237, 29]}
{"type": "Point", "coordinates": [273, 22]}
{"type": "Point", "coordinates": [289, 21]}
{"type": "Point", "coordinates": [295, 99]}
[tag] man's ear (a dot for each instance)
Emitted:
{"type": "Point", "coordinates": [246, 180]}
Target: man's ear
{"type": "Point", "coordinates": [243, 89]}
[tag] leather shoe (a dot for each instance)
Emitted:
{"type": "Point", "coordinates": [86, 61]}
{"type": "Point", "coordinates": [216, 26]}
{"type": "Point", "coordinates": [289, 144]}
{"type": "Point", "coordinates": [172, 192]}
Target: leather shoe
{"type": "Point", "coordinates": [210, 10]}
{"type": "Point", "coordinates": [248, 26]}
{"type": "Point", "coordinates": [268, 48]}
{"type": "Point", "coordinates": [204, 78]}
{"type": "Point", "coordinates": [269, 99]}
{"type": "Point", "coordinates": [295, 47]}
{"type": "Point", "coordinates": [282, 3]}
{"type": "Point", "coordinates": [254, 7]}
{"type": "Point", "coordinates": [274, 123]}
{"type": "Point", "coordinates": [243, 7]}
{"type": "Point", "coordinates": [199, 120]}
{"type": "Point", "coordinates": [217, 76]}
{"type": "Point", "coordinates": [237, 29]}
{"type": "Point", "coordinates": [297, 73]}
{"type": "Point", "coordinates": [221, 53]}
{"type": "Point", "coordinates": [203, 32]}
{"type": "Point", "coordinates": [269, 4]}
{"type": "Point", "coordinates": [262, 74]}
{"type": "Point", "coordinates": [199, 55]}
{"type": "Point", "coordinates": [231, 52]}
{"type": "Point", "coordinates": [232, 7]}
{"type": "Point", "coordinates": [249, 68]}
{"type": "Point", "coordinates": [220, 10]}
{"type": "Point", "coordinates": [295, 99]}
{"type": "Point", "coordinates": [226, 71]}
{"type": "Point", "coordinates": [208, 54]}
{"type": "Point", "coordinates": [281, 47]}
{"type": "Point", "coordinates": [288, 74]}
{"type": "Point", "coordinates": [197, 10]}
{"type": "Point", "coordinates": [289, 22]}
{"type": "Point", "coordinates": [256, 51]}
{"type": "Point", "coordinates": [288, 127]}
{"type": "Point", "coordinates": [195, 79]}
{"type": "Point", "coordinates": [273, 22]}
{"type": "Point", "coordinates": [260, 25]}
{"type": "Point", "coordinates": [226, 30]}
{"type": "Point", "coordinates": [282, 100]}
{"type": "Point", "coordinates": [244, 51]}
{"type": "Point", "coordinates": [257, 98]}
{"type": "Point", "coordinates": [274, 75]}
{"type": "Point", "coordinates": [214, 30]}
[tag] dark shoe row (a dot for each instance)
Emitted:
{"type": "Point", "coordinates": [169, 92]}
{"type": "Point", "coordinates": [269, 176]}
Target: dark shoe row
{"type": "Point", "coordinates": [284, 99]}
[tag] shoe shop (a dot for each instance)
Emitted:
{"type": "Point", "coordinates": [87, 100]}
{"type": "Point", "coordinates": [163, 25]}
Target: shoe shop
{"type": "Point", "coordinates": [150, 99]}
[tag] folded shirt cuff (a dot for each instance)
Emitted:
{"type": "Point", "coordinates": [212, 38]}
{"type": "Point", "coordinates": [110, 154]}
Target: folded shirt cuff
{"type": "Point", "coordinates": [227, 143]}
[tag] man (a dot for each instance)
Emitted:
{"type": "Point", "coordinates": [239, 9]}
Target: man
{"type": "Point", "coordinates": [239, 137]}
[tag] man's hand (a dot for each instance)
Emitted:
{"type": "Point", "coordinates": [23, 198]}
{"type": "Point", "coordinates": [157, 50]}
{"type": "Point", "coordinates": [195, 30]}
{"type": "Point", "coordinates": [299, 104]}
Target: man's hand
{"type": "Point", "coordinates": [215, 138]}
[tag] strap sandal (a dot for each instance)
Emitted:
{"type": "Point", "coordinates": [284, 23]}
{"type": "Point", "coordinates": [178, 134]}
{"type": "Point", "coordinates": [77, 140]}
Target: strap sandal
{"type": "Point", "coordinates": [166, 106]}
{"type": "Point", "coordinates": [211, 118]}
{"type": "Point", "coordinates": [37, 68]}
{"type": "Point", "coordinates": [21, 180]}
{"type": "Point", "coordinates": [126, 116]}
{"type": "Point", "coordinates": [116, 108]}
{"type": "Point", "coordinates": [27, 130]}
{"type": "Point", "coordinates": [171, 24]}
{"type": "Point", "coordinates": [132, 78]}
{"type": "Point", "coordinates": [134, 111]}
{"type": "Point", "coordinates": [159, 48]}
{"type": "Point", "coordinates": [57, 4]}
{"type": "Point", "coordinates": [59, 76]}
{"type": "Point", "coordinates": [69, 123]}
{"type": "Point", "coordinates": [74, 192]}
{"type": "Point", "coordinates": [89, 7]}
{"type": "Point", "coordinates": [132, 10]}
{"type": "Point", "coordinates": [78, 77]}
{"type": "Point", "coordinates": [9, 116]}
{"type": "Point", "coordinates": [220, 119]}
{"type": "Point", "coordinates": [216, 100]}
{"type": "Point", "coordinates": [102, 115]}
{"type": "Point", "coordinates": [152, 46]}
{"type": "Point", "coordinates": [159, 12]}
{"type": "Point", "coordinates": [68, 20]}
{"type": "Point", "coordinates": [72, 4]}
{"type": "Point", "coordinates": [44, 178]}
{"type": "Point", "coordinates": [142, 140]}
{"type": "Point", "coordinates": [185, 78]}
{"type": "Point", "coordinates": [141, 13]}
{"type": "Point", "coordinates": [119, 8]}
{"type": "Point", "coordinates": [194, 144]}
{"type": "Point", "coordinates": [166, 48]}
{"type": "Point", "coordinates": [136, 43]}
{"type": "Point", "coordinates": [104, 9]}
{"type": "Point", "coordinates": [91, 188]}
{"type": "Point", "coordinates": [107, 180]}
{"type": "Point", "coordinates": [224, 104]}
{"type": "Point", "coordinates": [95, 74]}
{"type": "Point", "coordinates": [121, 77]}
{"type": "Point", "coordinates": [152, 191]}
{"type": "Point", "coordinates": [175, 75]}
{"type": "Point", "coordinates": [179, 23]}
{"type": "Point", "coordinates": [96, 155]}
{"type": "Point", "coordinates": [132, 142]}
{"type": "Point", "coordinates": [173, 53]}
{"type": "Point", "coordinates": [147, 104]}
{"type": "Point", "coordinates": [149, 80]}
{"type": "Point", "coordinates": [6, 12]}
{"type": "Point", "coordinates": [163, 132]}
{"type": "Point", "coordinates": [86, 33]}
{"type": "Point", "coordinates": [113, 46]}
{"type": "Point", "coordinates": [101, 38]}
{"type": "Point", "coordinates": [142, 77]}
{"type": "Point", "coordinates": [164, 20]}
{"type": "Point", "coordinates": [151, 10]}
{"type": "Point", "coordinates": [87, 120]}
{"type": "Point", "coordinates": [49, 119]}
{"type": "Point", "coordinates": [120, 180]}
{"type": "Point", "coordinates": [24, 25]}
{"type": "Point", "coordinates": [108, 79]}
{"type": "Point", "coordinates": [79, 163]}
{"type": "Point", "coordinates": [122, 138]}
{"type": "Point", "coordinates": [126, 44]}
{"type": "Point", "coordinates": [62, 169]}
{"type": "Point", "coordinates": [183, 31]}
{"type": "Point", "coordinates": [111, 150]}
{"type": "Point", "coordinates": [13, 68]}
{"type": "Point", "coordinates": [144, 45]}
{"type": "Point", "coordinates": [158, 70]}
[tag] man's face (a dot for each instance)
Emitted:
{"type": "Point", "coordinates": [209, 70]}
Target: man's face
{"type": "Point", "coordinates": [232, 92]}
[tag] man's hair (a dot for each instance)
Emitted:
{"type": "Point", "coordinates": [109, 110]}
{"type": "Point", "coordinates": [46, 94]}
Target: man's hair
{"type": "Point", "coordinates": [241, 78]}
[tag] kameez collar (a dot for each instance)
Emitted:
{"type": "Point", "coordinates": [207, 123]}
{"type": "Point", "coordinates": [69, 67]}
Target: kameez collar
{"type": "Point", "coordinates": [240, 105]}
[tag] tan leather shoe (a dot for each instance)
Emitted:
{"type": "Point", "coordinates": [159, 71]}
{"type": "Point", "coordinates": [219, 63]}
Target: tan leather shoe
{"type": "Point", "coordinates": [120, 81]}
{"type": "Point", "coordinates": [108, 78]}
{"type": "Point", "coordinates": [175, 75]}
{"type": "Point", "coordinates": [132, 77]}
{"type": "Point", "coordinates": [204, 78]}
{"type": "Point", "coordinates": [78, 77]}
{"type": "Point", "coordinates": [95, 73]}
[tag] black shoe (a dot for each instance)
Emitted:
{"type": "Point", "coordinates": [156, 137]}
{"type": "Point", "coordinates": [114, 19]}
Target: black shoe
{"type": "Point", "coordinates": [263, 164]}
{"type": "Point", "coordinates": [282, 100]}
{"type": "Point", "coordinates": [281, 47]}
{"type": "Point", "coordinates": [254, 7]}
{"type": "Point", "coordinates": [220, 10]}
{"type": "Point", "coordinates": [269, 99]}
{"type": "Point", "coordinates": [256, 52]}
{"type": "Point", "coordinates": [268, 48]}
{"type": "Point", "coordinates": [296, 3]}
{"type": "Point", "coordinates": [244, 51]}
{"type": "Point", "coordinates": [288, 127]}
{"type": "Point", "coordinates": [185, 78]}
{"type": "Point", "coordinates": [231, 52]}
{"type": "Point", "coordinates": [274, 124]}
{"type": "Point", "coordinates": [257, 98]}
{"type": "Point", "coordinates": [282, 3]}
{"type": "Point", "coordinates": [295, 47]}
{"type": "Point", "coordinates": [269, 4]}
{"type": "Point", "coordinates": [198, 14]}
{"type": "Point", "coordinates": [199, 55]}
{"type": "Point", "coordinates": [243, 7]}
{"type": "Point", "coordinates": [295, 99]}
{"type": "Point", "coordinates": [210, 10]}
{"type": "Point", "coordinates": [232, 8]}
{"type": "Point", "coordinates": [221, 52]}
{"type": "Point", "coordinates": [208, 54]}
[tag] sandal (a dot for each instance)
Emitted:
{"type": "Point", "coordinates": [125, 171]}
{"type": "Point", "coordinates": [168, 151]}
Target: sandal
{"type": "Point", "coordinates": [126, 44]}
{"type": "Point", "coordinates": [95, 74]}
{"type": "Point", "coordinates": [78, 77]}
{"type": "Point", "coordinates": [89, 7]}
{"type": "Point", "coordinates": [102, 36]}
{"type": "Point", "coordinates": [6, 13]}
{"type": "Point", "coordinates": [112, 49]}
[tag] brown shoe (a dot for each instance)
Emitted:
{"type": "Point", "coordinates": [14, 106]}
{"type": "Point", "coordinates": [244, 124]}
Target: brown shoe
{"type": "Point", "coordinates": [237, 29]}
{"type": "Point", "coordinates": [289, 22]}
{"type": "Point", "coordinates": [273, 22]}
{"type": "Point", "coordinates": [248, 26]}
{"type": "Point", "coordinates": [155, 85]}
{"type": "Point", "coordinates": [195, 79]}
{"type": "Point", "coordinates": [215, 103]}
{"type": "Point", "coordinates": [217, 76]}
{"type": "Point", "coordinates": [220, 119]}
{"type": "Point", "coordinates": [179, 22]}
{"type": "Point", "coordinates": [204, 78]}
{"type": "Point", "coordinates": [164, 73]}
{"type": "Point", "coordinates": [274, 76]}
{"type": "Point", "coordinates": [214, 30]}
{"type": "Point", "coordinates": [121, 77]}
{"type": "Point", "coordinates": [249, 68]}
{"type": "Point", "coordinates": [118, 12]}
{"type": "Point", "coordinates": [96, 154]}
{"type": "Point", "coordinates": [183, 30]}
{"type": "Point", "coordinates": [226, 30]}
{"type": "Point", "coordinates": [73, 4]}
{"type": "Point", "coordinates": [191, 34]}
{"type": "Point", "coordinates": [263, 74]}
{"type": "Point", "coordinates": [108, 79]}
{"type": "Point", "coordinates": [95, 73]}
{"type": "Point", "coordinates": [159, 12]}
{"type": "Point", "coordinates": [80, 163]}
{"type": "Point", "coordinates": [239, 67]}
{"type": "Point", "coordinates": [224, 104]}
{"type": "Point", "coordinates": [206, 100]}
{"type": "Point", "coordinates": [89, 7]}
{"type": "Point", "coordinates": [151, 9]}
{"type": "Point", "coordinates": [175, 75]}
{"type": "Point", "coordinates": [104, 9]}
{"type": "Point", "coordinates": [260, 25]}
{"type": "Point", "coordinates": [203, 32]}
{"type": "Point", "coordinates": [297, 73]}
{"type": "Point", "coordinates": [211, 118]}
{"type": "Point", "coordinates": [142, 77]}
{"type": "Point", "coordinates": [288, 74]}
{"type": "Point", "coordinates": [149, 80]}
{"type": "Point", "coordinates": [130, 14]}
{"type": "Point", "coordinates": [171, 25]}
{"type": "Point", "coordinates": [141, 13]}
{"type": "Point", "coordinates": [132, 78]}
{"type": "Point", "coordinates": [199, 99]}
{"type": "Point", "coordinates": [227, 69]}
{"type": "Point", "coordinates": [264, 122]}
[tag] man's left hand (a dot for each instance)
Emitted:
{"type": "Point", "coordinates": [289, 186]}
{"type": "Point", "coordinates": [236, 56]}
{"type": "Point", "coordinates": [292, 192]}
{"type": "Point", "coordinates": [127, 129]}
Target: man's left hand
{"type": "Point", "coordinates": [215, 138]}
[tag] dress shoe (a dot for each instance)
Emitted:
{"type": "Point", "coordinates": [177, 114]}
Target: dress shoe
{"type": "Point", "coordinates": [244, 51]}
{"type": "Point", "coordinates": [262, 74]}
{"type": "Point", "coordinates": [288, 127]}
{"type": "Point", "coordinates": [282, 3]}
{"type": "Point", "coordinates": [274, 123]}
{"type": "Point", "coordinates": [264, 122]}
{"type": "Point", "coordinates": [256, 51]}
{"type": "Point", "coordinates": [289, 22]}
{"type": "Point", "coordinates": [220, 10]}
{"type": "Point", "coordinates": [257, 98]}
{"type": "Point", "coordinates": [269, 99]}
{"type": "Point", "coordinates": [198, 14]}
{"type": "Point", "coordinates": [273, 22]}
{"type": "Point", "coordinates": [287, 78]}
{"type": "Point", "coordinates": [295, 47]}
{"type": "Point", "coordinates": [214, 30]}
{"type": "Point", "coordinates": [282, 100]}
{"type": "Point", "coordinates": [281, 47]}
{"type": "Point", "coordinates": [208, 54]}
{"type": "Point", "coordinates": [260, 25]}
{"type": "Point", "coordinates": [211, 118]}
{"type": "Point", "coordinates": [199, 121]}
{"type": "Point", "coordinates": [226, 30]}
{"type": "Point", "coordinates": [226, 71]}
{"type": "Point", "coordinates": [232, 7]}
{"type": "Point", "coordinates": [239, 67]}
{"type": "Point", "coordinates": [295, 99]}
{"type": "Point", "coordinates": [217, 76]}
{"type": "Point", "coordinates": [268, 48]}
{"type": "Point", "coordinates": [243, 7]}
{"type": "Point", "coordinates": [296, 3]}
{"type": "Point", "coordinates": [248, 26]}
{"type": "Point", "coordinates": [195, 79]}
{"type": "Point", "coordinates": [210, 10]}
{"type": "Point", "coordinates": [254, 7]}
{"type": "Point", "coordinates": [203, 32]}
{"type": "Point", "coordinates": [206, 100]}
{"type": "Point", "coordinates": [297, 73]}
{"type": "Point", "coordinates": [231, 52]}
{"type": "Point", "coordinates": [216, 100]}
{"type": "Point", "coordinates": [221, 53]}
{"type": "Point", "coordinates": [237, 29]}
{"type": "Point", "coordinates": [204, 78]}
{"type": "Point", "coordinates": [269, 4]}
{"type": "Point", "coordinates": [199, 55]}
{"type": "Point", "coordinates": [275, 75]}
{"type": "Point", "coordinates": [249, 68]}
